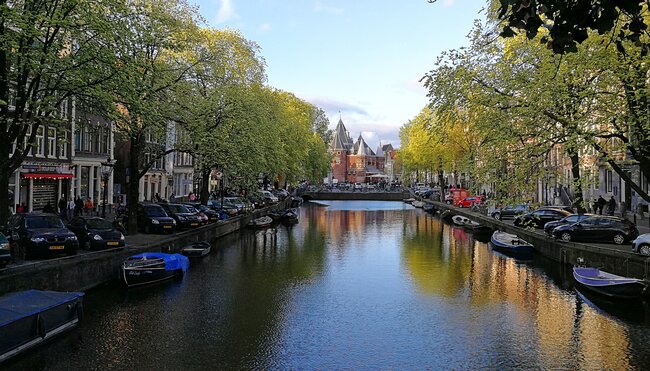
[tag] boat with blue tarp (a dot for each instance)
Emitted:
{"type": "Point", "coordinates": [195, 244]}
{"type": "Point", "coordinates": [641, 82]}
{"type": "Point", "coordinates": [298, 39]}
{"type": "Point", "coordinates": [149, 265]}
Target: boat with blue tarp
{"type": "Point", "coordinates": [29, 318]}
{"type": "Point", "coordinates": [609, 284]}
{"type": "Point", "coordinates": [151, 267]}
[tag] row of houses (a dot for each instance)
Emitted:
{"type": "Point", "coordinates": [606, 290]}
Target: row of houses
{"type": "Point", "coordinates": [83, 157]}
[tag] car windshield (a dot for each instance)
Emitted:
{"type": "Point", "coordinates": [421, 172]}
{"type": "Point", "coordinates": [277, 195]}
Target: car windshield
{"type": "Point", "coordinates": [191, 209]}
{"type": "Point", "coordinates": [98, 223]}
{"type": "Point", "coordinates": [155, 211]}
{"type": "Point", "coordinates": [45, 221]}
{"type": "Point", "coordinates": [3, 239]}
{"type": "Point", "coordinates": [178, 209]}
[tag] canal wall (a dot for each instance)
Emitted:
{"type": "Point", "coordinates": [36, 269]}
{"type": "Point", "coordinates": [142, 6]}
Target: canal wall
{"type": "Point", "coordinates": [85, 271]}
{"type": "Point", "coordinates": [610, 259]}
{"type": "Point", "coordinates": [356, 196]}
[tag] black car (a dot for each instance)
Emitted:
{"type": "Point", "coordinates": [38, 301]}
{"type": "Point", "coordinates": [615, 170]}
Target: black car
{"type": "Point", "coordinates": [212, 215]}
{"type": "Point", "coordinates": [227, 207]}
{"type": "Point", "coordinates": [35, 234]}
{"type": "Point", "coordinates": [606, 229]}
{"type": "Point", "coordinates": [95, 233]}
{"type": "Point", "coordinates": [540, 217]}
{"type": "Point", "coordinates": [510, 211]}
{"type": "Point", "coordinates": [573, 218]}
{"type": "Point", "coordinates": [5, 251]}
{"type": "Point", "coordinates": [184, 217]}
{"type": "Point", "coordinates": [152, 218]}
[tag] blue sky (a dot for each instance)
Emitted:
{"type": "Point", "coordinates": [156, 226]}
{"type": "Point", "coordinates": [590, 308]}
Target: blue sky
{"type": "Point", "coordinates": [361, 57]}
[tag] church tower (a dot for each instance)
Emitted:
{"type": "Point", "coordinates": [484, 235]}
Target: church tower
{"type": "Point", "coordinates": [340, 149]}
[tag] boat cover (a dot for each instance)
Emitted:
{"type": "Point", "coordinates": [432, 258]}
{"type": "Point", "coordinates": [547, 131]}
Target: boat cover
{"type": "Point", "coordinates": [17, 305]}
{"type": "Point", "coordinates": [172, 261]}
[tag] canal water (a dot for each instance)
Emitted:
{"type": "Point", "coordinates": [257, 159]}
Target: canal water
{"type": "Point", "coordinates": [354, 285]}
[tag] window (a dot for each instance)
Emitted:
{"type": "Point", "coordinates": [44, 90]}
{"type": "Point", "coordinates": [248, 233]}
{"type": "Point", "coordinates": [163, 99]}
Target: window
{"type": "Point", "coordinates": [86, 140]}
{"type": "Point", "coordinates": [77, 138]}
{"type": "Point", "coordinates": [63, 144]}
{"type": "Point", "coordinates": [40, 142]}
{"type": "Point", "coordinates": [608, 180]}
{"type": "Point", "coordinates": [51, 142]}
{"type": "Point", "coordinates": [105, 139]}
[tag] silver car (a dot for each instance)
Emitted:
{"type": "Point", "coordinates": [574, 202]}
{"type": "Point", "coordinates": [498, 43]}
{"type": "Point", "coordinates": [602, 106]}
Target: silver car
{"type": "Point", "coordinates": [641, 245]}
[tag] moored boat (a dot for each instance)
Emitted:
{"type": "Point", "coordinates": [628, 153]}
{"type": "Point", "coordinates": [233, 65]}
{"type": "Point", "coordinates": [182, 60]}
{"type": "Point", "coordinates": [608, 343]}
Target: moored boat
{"type": "Point", "coordinates": [151, 267]}
{"type": "Point", "coordinates": [418, 204]}
{"type": "Point", "coordinates": [609, 284]}
{"type": "Point", "coordinates": [510, 243]}
{"type": "Point", "coordinates": [429, 208]}
{"type": "Point", "coordinates": [447, 216]}
{"type": "Point", "coordinates": [28, 318]}
{"type": "Point", "coordinates": [290, 217]}
{"type": "Point", "coordinates": [463, 221]}
{"type": "Point", "coordinates": [196, 250]}
{"type": "Point", "coordinates": [408, 200]}
{"type": "Point", "coordinates": [261, 222]}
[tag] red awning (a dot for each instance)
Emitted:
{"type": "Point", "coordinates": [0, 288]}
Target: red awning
{"type": "Point", "coordinates": [47, 176]}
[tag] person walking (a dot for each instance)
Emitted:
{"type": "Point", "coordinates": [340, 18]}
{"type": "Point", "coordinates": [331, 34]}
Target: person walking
{"type": "Point", "coordinates": [601, 204]}
{"type": "Point", "coordinates": [78, 206]}
{"type": "Point", "coordinates": [89, 206]}
{"type": "Point", "coordinates": [611, 206]}
{"type": "Point", "coordinates": [63, 208]}
{"type": "Point", "coordinates": [71, 208]}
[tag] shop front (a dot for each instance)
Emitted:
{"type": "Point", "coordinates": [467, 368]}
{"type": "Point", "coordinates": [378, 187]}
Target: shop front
{"type": "Point", "coordinates": [43, 184]}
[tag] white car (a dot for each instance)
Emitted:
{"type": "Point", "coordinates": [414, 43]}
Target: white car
{"type": "Point", "coordinates": [269, 197]}
{"type": "Point", "coordinates": [357, 186]}
{"type": "Point", "coordinates": [641, 245]}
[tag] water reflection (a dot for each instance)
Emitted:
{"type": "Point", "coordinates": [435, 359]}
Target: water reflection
{"type": "Point", "coordinates": [354, 285]}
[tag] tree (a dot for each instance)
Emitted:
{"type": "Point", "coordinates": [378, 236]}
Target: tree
{"type": "Point", "coordinates": [50, 51]}
{"type": "Point", "coordinates": [570, 22]}
{"type": "Point", "coordinates": [151, 61]}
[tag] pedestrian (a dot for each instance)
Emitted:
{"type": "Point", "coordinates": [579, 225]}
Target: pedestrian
{"type": "Point", "coordinates": [78, 206]}
{"type": "Point", "coordinates": [601, 204]}
{"type": "Point", "coordinates": [611, 206]}
{"type": "Point", "coordinates": [63, 208]}
{"type": "Point", "coordinates": [89, 206]}
{"type": "Point", "coordinates": [156, 197]}
{"type": "Point", "coordinates": [192, 197]}
{"type": "Point", "coordinates": [172, 197]}
{"type": "Point", "coordinates": [71, 208]}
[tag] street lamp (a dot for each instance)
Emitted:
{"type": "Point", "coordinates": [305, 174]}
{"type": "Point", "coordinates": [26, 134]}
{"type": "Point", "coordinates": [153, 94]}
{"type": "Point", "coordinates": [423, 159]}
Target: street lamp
{"type": "Point", "coordinates": [107, 169]}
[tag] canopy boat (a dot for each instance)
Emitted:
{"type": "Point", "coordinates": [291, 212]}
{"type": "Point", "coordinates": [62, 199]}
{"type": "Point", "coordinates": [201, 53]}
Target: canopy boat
{"type": "Point", "coordinates": [28, 318]}
{"type": "Point", "coordinates": [418, 204]}
{"type": "Point", "coordinates": [150, 267]}
{"type": "Point", "coordinates": [196, 250]}
{"type": "Point", "coordinates": [609, 284]}
{"type": "Point", "coordinates": [463, 221]}
{"type": "Point", "coordinates": [510, 243]}
{"type": "Point", "coordinates": [261, 222]}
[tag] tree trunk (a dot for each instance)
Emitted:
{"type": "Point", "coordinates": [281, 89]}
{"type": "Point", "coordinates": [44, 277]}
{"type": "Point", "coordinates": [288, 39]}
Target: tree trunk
{"type": "Point", "coordinates": [133, 185]}
{"type": "Point", "coordinates": [4, 201]}
{"type": "Point", "coordinates": [205, 185]}
{"type": "Point", "coordinates": [578, 202]}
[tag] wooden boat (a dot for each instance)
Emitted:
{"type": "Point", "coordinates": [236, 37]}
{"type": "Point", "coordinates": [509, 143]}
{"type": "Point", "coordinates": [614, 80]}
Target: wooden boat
{"type": "Point", "coordinates": [29, 318]}
{"type": "Point", "coordinates": [462, 221]}
{"type": "Point", "coordinates": [261, 222]}
{"type": "Point", "coordinates": [196, 250]}
{"type": "Point", "coordinates": [609, 284]}
{"type": "Point", "coordinates": [151, 267]}
{"type": "Point", "coordinates": [510, 243]}
{"type": "Point", "coordinates": [289, 217]}
{"type": "Point", "coordinates": [418, 204]}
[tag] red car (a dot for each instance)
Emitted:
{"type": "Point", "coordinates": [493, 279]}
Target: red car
{"type": "Point", "coordinates": [470, 201]}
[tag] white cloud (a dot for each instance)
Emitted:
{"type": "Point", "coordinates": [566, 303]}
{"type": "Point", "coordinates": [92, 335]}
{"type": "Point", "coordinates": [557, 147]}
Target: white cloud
{"type": "Point", "coordinates": [448, 3]}
{"type": "Point", "coordinates": [319, 7]}
{"type": "Point", "coordinates": [226, 11]}
{"type": "Point", "coordinates": [265, 27]}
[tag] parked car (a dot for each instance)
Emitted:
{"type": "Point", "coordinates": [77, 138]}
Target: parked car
{"type": "Point", "coordinates": [470, 201]}
{"type": "Point", "coordinates": [269, 198]}
{"type": "Point", "coordinates": [152, 218]}
{"type": "Point", "coordinates": [41, 235]}
{"type": "Point", "coordinates": [641, 245]}
{"type": "Point", "coordinates": [242, 205]}
{"type": "Point", "coordinates": [540, 217]}
{"type": "Point", "coordinates": [211, 214]}
{"type": "Point", "coordinates": [510, 211]}
{"type": "Point", "coordinates": [227, 207]}
{"type": "Point", "coordinates": [95, 233]}
{"type": "Point", "coordinates": [281, 194]}
{"type": "Point", "coordinates": [203, 219]}
{"type": "Point", "coordinates": [5, 251]}
{"type": "Point", "coordinates": [608, 229]}
{"type": "Point", "coordinates": [573, 218]}
{"type": "Point", "coordinates": [183, 216]}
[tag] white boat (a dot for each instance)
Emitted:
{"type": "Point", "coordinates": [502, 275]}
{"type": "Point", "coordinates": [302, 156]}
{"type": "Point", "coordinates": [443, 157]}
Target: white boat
{"type": "Point", "coordinates": [418, 204]}
{"type": "Point", "coordinates": [409, 200]}
{"type": "Point", "coordinates": [261, 222]}
{"type": "Point", "coordinates": [462, 221]}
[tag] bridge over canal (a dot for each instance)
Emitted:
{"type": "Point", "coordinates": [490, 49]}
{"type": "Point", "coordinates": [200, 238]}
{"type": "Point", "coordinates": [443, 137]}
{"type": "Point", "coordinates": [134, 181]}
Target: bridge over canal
{"type": "Point", "coordinates": [355, 196]}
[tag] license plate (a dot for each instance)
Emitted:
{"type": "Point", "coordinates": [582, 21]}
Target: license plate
{"type": "Point", "coordinates": [112, 243]}
{"type": "Point", "coordinates": [194, 224]}
{"type": "Point", "coordinates": [167, 226]}
{"type": "Point", "coordinates": [58, 247]}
